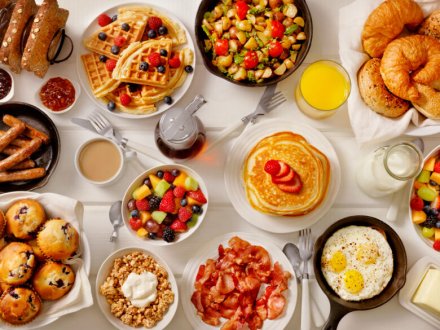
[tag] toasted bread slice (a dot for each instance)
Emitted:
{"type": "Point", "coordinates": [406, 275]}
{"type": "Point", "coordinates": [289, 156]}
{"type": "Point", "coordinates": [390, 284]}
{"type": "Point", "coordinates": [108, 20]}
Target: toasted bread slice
{"type": "Point", "coordinates": [10, 52]}
{"type": "Point", "coordinates": [48, 21]}
{"type": "Point", "coordinates": [6, 9]}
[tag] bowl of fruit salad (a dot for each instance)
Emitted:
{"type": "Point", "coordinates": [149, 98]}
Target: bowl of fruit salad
{"type": "Point", "coordinates": [425, 200]}
{"type": "Point", "coordinates": [165, 204]}
{"type": "Point", "coordinates": [253, 43]}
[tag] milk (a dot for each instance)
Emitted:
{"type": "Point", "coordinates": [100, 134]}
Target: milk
{"type": "Point", "coordinates": [387, 169]}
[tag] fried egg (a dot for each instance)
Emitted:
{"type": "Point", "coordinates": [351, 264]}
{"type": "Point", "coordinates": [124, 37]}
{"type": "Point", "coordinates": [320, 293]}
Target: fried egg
{"type": "Point", "coordinates": [357, 262]}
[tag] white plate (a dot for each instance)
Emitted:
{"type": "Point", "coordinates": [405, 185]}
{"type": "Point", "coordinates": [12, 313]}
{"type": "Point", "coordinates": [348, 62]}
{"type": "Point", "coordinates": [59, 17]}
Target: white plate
{"type": "Point", "coordinates": [413, 279]}
{"type": "Point", "coordinates": [85, 256]}
{"type": "Point", "coordinates": [234, 182]}
{"type": "Point", "coordinates": [211, 251]}
{"type": "Point", "coordinates": [161, 106]}
{"type": "Point", "coordinates": [104, 271]}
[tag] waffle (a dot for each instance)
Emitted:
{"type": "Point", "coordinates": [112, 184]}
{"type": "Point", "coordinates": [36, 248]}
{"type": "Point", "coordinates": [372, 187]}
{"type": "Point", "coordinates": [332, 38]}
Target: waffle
{"type": "Point", "coordinates": [143, 98]}
{"type": "Point", "coordinates": [176, 33]}
{"type": "Point", "coordinates": [127, 68]}
{"type": "Point", "coordinates": [100, 79]}
{"type": "Point", "coordinates": [137, 22]}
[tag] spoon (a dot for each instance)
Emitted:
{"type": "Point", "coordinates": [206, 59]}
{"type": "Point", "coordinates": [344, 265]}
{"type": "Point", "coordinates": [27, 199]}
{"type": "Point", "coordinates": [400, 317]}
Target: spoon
{"type": "Point", "coordinates": [115, 219]}
{"type": "Point", "coordinates": [292, 253]}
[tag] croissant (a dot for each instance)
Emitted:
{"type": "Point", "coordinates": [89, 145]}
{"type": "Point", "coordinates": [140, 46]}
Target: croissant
{"type": "Point", "coordinates": [405, 55]}
{"type": "Point", "coordinates": [386, 22]}
{"type": "Point", "coordinates": [431, 25]}
{"type": "Point", "coordinates": [375, 94]}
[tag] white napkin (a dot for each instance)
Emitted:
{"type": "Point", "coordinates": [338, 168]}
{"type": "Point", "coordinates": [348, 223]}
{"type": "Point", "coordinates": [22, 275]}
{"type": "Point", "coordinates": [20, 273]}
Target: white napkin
{"type": "Point", "coordinates": [368, 126]}
{"type": "Point", "coordinates": [80, 296]}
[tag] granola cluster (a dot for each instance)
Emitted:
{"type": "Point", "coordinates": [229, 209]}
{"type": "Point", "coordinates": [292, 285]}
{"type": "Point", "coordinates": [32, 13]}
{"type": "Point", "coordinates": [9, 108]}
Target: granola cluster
{"type": "Point", "coordinates": [121, 307]}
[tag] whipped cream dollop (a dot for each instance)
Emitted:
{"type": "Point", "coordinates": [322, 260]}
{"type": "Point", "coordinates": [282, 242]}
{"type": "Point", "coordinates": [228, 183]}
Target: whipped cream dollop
{"type": "Point", "coordinates": [140, 289]}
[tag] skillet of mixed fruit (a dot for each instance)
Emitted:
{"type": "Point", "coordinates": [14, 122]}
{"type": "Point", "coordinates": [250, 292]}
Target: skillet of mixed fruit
{"type": "Point", "coordinates": [425, 200]}
{"type": "Point", "coordinates": [166, 204]}
{"type": "Point", "coordinates": [254, 40]}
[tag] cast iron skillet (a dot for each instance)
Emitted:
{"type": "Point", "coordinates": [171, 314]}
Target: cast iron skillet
{"type": "Point", "coordinates": [47, 156]}
{"type": "Point", "coordinates": [208, 5]}
{"type": "Point", "coordinates": [339, 307]}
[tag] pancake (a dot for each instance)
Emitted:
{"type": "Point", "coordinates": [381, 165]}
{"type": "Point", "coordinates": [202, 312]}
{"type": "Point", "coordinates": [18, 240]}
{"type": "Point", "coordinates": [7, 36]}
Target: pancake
{"type": "Point", "coordinates": [309, 163]}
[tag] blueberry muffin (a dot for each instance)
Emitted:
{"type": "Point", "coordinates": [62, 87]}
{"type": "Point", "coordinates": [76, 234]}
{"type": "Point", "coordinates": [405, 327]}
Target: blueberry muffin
{"type": "Point", "coordinates": [19, 305]}
{"type": "Point", "coordinates": [53, 280]}
{"type": "Point", "coordinates": [2, 224]}
{"type": "Point", "coordinates": [17, 261]}
{"type": "Point", "coordinates": [24, 217]}
{"type": "Point", "coordinates": [37, 251]}
{"type": "Point", "coordinates": [58, 239]}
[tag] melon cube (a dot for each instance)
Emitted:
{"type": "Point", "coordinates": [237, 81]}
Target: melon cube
{"type": "Point", "coordinates": [179, 181]}
{"type": "Point", "coordinates": [142, 232]}
{"type": "Point", "coordinates": [435, 177]}
{"type": "Point", "coordinates": [418, 217]}
{"type": "Point", "coordinates": [144, 216]}
{"type": "Point", "coordinates": [429, 164]}
{"type": "Point", "coordinates": [154, 180]}
{"type": "Point", "coordinates": [141, 192]}
{"type": "Point", "coordinates": [436, 234]}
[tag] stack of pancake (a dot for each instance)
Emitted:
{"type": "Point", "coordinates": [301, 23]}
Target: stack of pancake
{"type": "Point", "coordinates": [309, 163]}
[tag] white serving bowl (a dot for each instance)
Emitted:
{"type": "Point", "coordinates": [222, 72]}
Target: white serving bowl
{"type": "Point", "coordinates": [138, 181]}
{"type": "Point", "coordinates": [104, 271]}
{"type": "Point", "coordinates": [418, 228]}
{"type": "Point", "coordinates": [75, 84]}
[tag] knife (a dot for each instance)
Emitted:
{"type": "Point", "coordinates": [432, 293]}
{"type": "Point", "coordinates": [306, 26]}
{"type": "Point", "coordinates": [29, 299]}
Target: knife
{"type": "Point", "coordinates": [121, 141]}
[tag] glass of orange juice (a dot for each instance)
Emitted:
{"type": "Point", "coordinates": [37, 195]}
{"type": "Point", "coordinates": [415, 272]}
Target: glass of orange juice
{"type": "Point", "coordinates": [324, 86]}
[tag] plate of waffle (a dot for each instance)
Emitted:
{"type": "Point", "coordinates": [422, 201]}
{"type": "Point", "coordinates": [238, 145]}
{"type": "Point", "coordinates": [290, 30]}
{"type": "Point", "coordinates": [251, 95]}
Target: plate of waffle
{"type": "Point", "coordinates": [136, 60]}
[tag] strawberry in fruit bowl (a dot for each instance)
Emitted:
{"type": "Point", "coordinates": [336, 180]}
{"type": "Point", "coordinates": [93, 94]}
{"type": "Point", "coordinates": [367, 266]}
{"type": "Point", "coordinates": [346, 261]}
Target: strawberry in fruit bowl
{"type": "Point", "coordinates": [165, 204]}
{"type": "Point", "coordinates": [424, 201]}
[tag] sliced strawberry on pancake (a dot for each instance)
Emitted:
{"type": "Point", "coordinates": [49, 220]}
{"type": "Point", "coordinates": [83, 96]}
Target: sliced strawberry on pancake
{"type": "Point", "coordinates": [284, 179]}
{"type": "Point", "coordinates": [293, 187]}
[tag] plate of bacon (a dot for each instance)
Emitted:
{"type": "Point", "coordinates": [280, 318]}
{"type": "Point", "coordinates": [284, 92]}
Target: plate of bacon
{"type": "Point", "coordinates": [239, 280]}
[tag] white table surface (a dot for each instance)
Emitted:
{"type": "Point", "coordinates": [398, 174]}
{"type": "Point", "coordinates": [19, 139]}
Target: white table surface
{"type": "Point", "coordinates": [225, 102]}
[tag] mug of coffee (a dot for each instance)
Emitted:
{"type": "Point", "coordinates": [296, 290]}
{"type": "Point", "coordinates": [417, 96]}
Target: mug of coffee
{"type": "Point", "coordinates": [99, 161]}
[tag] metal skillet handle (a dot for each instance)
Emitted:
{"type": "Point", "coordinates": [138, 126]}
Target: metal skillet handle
{"type": "Point", "coordinates": [337, 312]}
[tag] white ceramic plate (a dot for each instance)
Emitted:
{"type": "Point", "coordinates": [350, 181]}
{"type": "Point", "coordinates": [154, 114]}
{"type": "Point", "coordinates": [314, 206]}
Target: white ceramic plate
{"type": "Point", "coordinates": [417, 228]}
{"type": "Point", "coordinates": [413, 279]}
{"type": "Point", "coordinates": [211, 251]}
{"type": "Point", "coordinates": [161, 106]}
{"type": "Point", "coordinates": [104, 271]}
{"type": "Point", "coordinates": [85, 256]}
{"type": "Point", "coordinates": [234, 182]}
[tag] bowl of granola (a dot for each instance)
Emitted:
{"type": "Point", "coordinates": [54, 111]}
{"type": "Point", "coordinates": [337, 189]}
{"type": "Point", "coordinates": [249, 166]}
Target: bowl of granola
{"type": "Point", "coordinates": [136, 288]}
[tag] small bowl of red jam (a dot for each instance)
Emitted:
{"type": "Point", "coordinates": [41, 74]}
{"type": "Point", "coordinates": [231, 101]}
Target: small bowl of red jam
{"type": "Point", "coordinates": [6, 85]}
{"type": "Point", "coordinates": [59, 94]}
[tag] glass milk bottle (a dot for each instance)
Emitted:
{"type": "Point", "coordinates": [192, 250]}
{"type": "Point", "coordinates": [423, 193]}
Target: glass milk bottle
{"type": "Point", "coordinates": [388, 168]}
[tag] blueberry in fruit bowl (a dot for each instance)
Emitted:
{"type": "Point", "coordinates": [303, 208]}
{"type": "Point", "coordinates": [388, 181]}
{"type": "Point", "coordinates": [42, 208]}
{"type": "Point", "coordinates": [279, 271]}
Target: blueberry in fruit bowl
{"type": "Point", "coordinates": [175, 172]}
{"type": "Point", "coordinates": [152, 235]}
{"type": "Point", "coordinates": [134, 214]}
{"type": "Point", "coordinates": [197, 209]}
{"type": "Point", "coordinates": [183, 202]}
{"type": "Point", "coordinates": [159, 174]}
{"type": "Point", "coordinates": [147, 182]}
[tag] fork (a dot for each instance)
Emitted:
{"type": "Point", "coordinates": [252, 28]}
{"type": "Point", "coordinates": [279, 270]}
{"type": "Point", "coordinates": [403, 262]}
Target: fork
{"type": "Point", "coordinates": [103, 127]}
{"type": "Point", "coordinates": [268, 102]}
{"type": "Point", "coordinates": [305, 252]}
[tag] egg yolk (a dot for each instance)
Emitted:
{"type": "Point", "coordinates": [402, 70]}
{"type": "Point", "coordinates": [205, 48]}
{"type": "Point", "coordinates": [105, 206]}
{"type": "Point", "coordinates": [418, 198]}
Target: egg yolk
{"type": "Point", "coordinates": [353, 280]}
{"type": "Point", "coordinates": [338, 262]}
{"type": "Point", "coordinates": [367, 253]}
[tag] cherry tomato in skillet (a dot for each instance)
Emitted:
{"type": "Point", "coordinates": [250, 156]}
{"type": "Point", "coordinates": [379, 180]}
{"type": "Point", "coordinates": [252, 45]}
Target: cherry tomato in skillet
{"type": "Point", "coordinates": [250, 60]}
{"type": "Point", "coordinates": [242, 9]}
{"type": "Point", "coordinates": [275, 49]}
{"type": "Point", "coordinates": [277, 29]}
{"type": "Point", "coordinates": [221, 47]}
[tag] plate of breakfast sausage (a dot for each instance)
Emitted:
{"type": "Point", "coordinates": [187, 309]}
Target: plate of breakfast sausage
{"type": "Point", "coordinates": [29, 147]}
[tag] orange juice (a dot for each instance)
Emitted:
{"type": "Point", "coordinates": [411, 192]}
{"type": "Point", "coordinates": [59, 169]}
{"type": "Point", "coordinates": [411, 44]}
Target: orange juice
{"type": "Point", "coordinates": [324, 87]}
